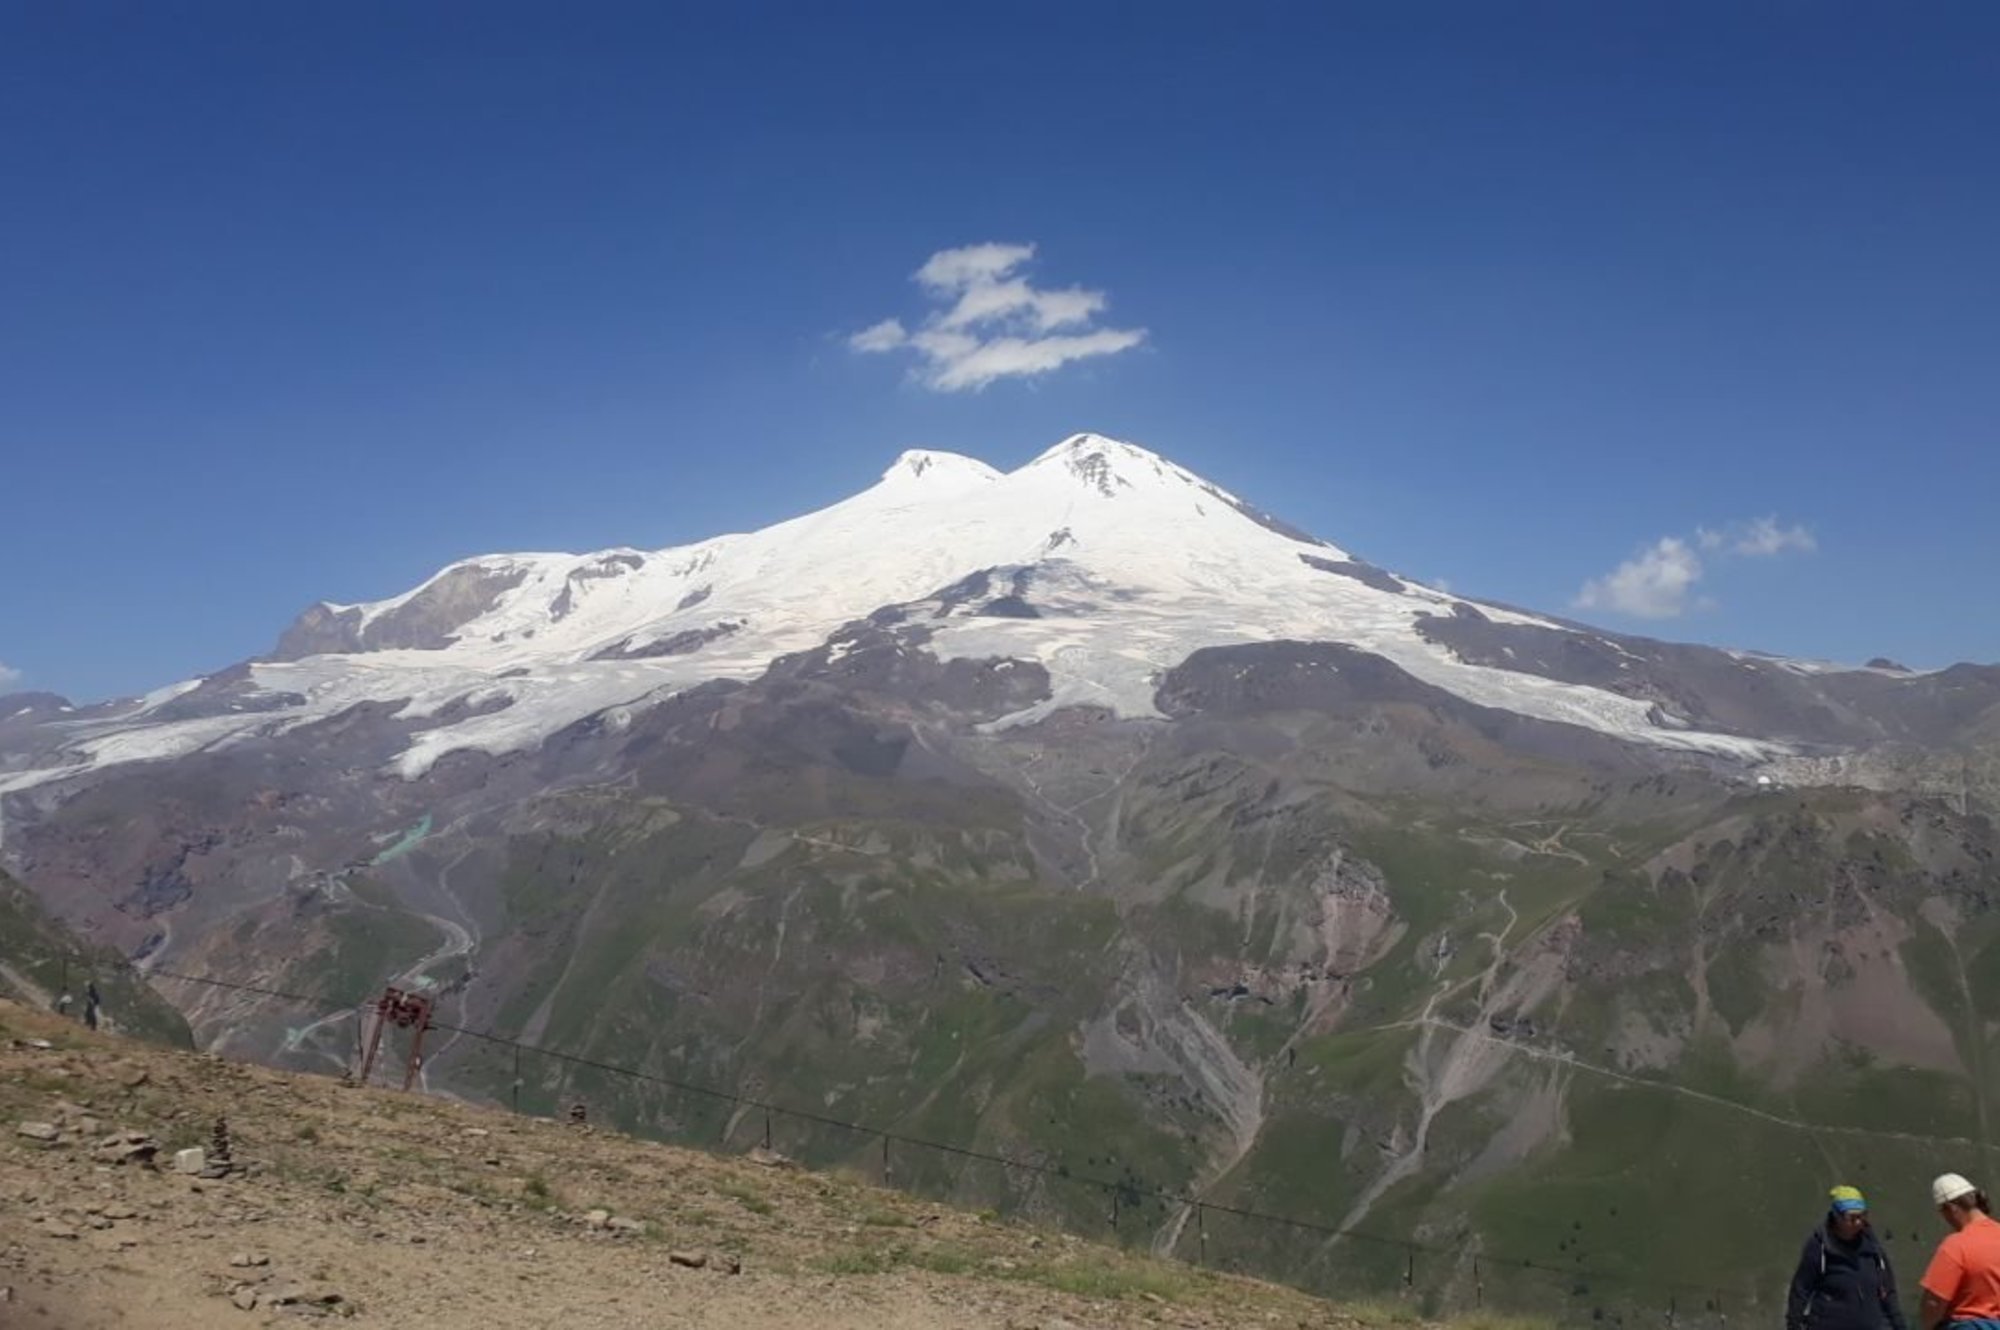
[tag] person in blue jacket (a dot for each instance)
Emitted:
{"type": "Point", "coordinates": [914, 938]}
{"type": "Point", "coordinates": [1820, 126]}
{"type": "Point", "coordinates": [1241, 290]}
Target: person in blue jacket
{"type": "Point", "coordinates": [1844, 1280]}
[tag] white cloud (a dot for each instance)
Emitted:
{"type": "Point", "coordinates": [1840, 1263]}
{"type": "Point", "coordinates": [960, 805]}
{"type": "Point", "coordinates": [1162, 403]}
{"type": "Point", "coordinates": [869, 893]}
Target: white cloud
{"type": "Point", "coordinates": [1653, 584]}
{"type": "Point", "coordinates": [884, 336]}
{"type": "Point", "coordinates": [9, 676]}
{"type": "Point", "coordinates": [1758, 539]}
{"type": "Point", "coordinates": [1765, 537]}
{"type": "Point", "coordinates": [956, 269]}
{"type": "Point", "coordinates": [1659, 581]}
{"type": "Point", "coordinates": [992, 323]}
{"type": "Point", "coordinates": [1010, 357]}
{"type": "Point", "coordinates": [994, 301]}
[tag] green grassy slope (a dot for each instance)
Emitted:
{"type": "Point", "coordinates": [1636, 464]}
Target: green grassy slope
{"type": "Point", "coordinates": [46, 956]}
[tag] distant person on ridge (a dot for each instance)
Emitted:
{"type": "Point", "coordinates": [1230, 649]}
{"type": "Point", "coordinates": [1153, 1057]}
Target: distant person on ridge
{"type": "Point", "coordinates": [1962, 1286]}
{"type": "Point", "coordinates": [90, 1004]}
{"type": "Point", "coordinates": [1844, 1280]}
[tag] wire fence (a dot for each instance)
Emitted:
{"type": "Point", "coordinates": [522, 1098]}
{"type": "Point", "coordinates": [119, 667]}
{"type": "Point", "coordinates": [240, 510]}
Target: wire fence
{"type": "Point", "coordinates": [1433, 1273]}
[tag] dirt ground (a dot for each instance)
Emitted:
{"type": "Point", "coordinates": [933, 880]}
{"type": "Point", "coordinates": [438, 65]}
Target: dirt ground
{"type": "Point", "coordinates": [372, 1207]}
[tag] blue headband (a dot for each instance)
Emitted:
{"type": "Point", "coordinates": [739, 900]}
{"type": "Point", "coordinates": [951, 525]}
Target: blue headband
{"type": "Point", "coordinates": [1846, 1206]}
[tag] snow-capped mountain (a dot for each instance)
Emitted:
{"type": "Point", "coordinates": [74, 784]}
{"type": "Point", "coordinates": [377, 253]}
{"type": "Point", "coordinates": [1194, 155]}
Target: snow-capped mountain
{"type": "Point", "coordinates": [1081, 811]}
{"type": "Point", "coordinates": [1110, 566]}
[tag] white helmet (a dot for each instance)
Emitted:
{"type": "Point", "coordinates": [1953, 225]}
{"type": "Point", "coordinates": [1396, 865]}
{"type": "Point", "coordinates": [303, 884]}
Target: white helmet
{"type": "Point", "coordinates": [1950, 1187]}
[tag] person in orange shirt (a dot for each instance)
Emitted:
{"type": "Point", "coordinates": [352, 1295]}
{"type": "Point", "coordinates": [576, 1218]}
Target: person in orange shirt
{"type": "Point", "coordinates": [1962, 1285]}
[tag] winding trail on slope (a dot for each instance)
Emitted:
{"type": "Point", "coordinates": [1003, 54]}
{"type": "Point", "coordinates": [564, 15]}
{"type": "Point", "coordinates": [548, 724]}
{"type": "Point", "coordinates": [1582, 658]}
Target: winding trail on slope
{"type": "Point", "coordinates": [1565, 1058]}
{"type": "Point", "coordinates": [461, 940]}
{"type": "Point", "coordinates": [460, 937]}
{"type": "Point", "coordinates": [1550, 844]}
{"type": "Point", "coordinates": [1073, 813]}
{"type": "Point", "coordinates": [1438, 1088]}
{"type": "Point", "coordinates": [1083, 835]}
{"type": "Point", "coordinates": [1458, 1074]}
{"type": "Point", "coordinates": [336, 889]}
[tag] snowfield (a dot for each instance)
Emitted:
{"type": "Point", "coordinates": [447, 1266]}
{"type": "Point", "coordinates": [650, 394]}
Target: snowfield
{"type": "Point", "coordinates": [1130, 562]}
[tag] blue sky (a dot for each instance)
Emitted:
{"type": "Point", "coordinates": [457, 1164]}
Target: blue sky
{"type": "Point", "coordinates": [1558, 303]}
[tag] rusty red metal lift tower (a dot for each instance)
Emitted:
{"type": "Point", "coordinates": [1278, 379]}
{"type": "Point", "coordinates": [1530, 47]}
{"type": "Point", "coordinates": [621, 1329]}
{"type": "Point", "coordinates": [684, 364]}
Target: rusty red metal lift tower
{"type": "Point", "coordinates": [405, 1011]}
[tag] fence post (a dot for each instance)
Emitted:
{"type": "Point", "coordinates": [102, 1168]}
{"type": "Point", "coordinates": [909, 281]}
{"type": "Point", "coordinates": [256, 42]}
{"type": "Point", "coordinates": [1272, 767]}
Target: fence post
{"type": "Point", "coordinates": [767, 1127]}
{"type": "Point", "coordinates": [1478, 1284]}
{"type": "Point", "coordinates": [1409, 1267]}
{"type": "Point", "coordinates": [886, 1171]}
{"type": "Point", "coordinates": [1114, 1207]}
{"type": "Point", "coordinates": [1201, 1230]}
{"type": "Point", "coordinates": [517, 1080]}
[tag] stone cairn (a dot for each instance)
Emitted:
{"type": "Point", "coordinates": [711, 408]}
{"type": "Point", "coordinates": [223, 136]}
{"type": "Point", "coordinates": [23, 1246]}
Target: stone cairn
{"type": "Point", "coordinates": [218, 1162]}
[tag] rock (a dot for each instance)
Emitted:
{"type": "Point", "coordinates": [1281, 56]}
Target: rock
{"type": "Point", "coordinates": [120, 1212]}
{"type": "Point", "coordinates": [190, 1161]}
{"type": "Point", "coordinates": [692, 1260]}
{"type": "Point", "coordinates": [126, 1147]}
{"type": "Point", "coordinates": [245, 1298]}
{"type": "Point", "coordinates": [730, 1265]}
{"type": "Point", "coordinates": [46, 1132]}
{"type": "Point", "coordinates": [477, 1133]}
{"type": "Point", "coordinates": [623, 1225]}
{"type": "Point", "coordinates": [55, 1229]}
{"type": "Point", "coordinates": [99, 1222]}
{"type": "Point", "coordinates": [771, 1158]}
{"type": "Point", "coordinates": [598, 1219]}
{"type": "Point", "coordinates": [134, 1078]}
{"type": "Point", "coordinates": [244, 1260]}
